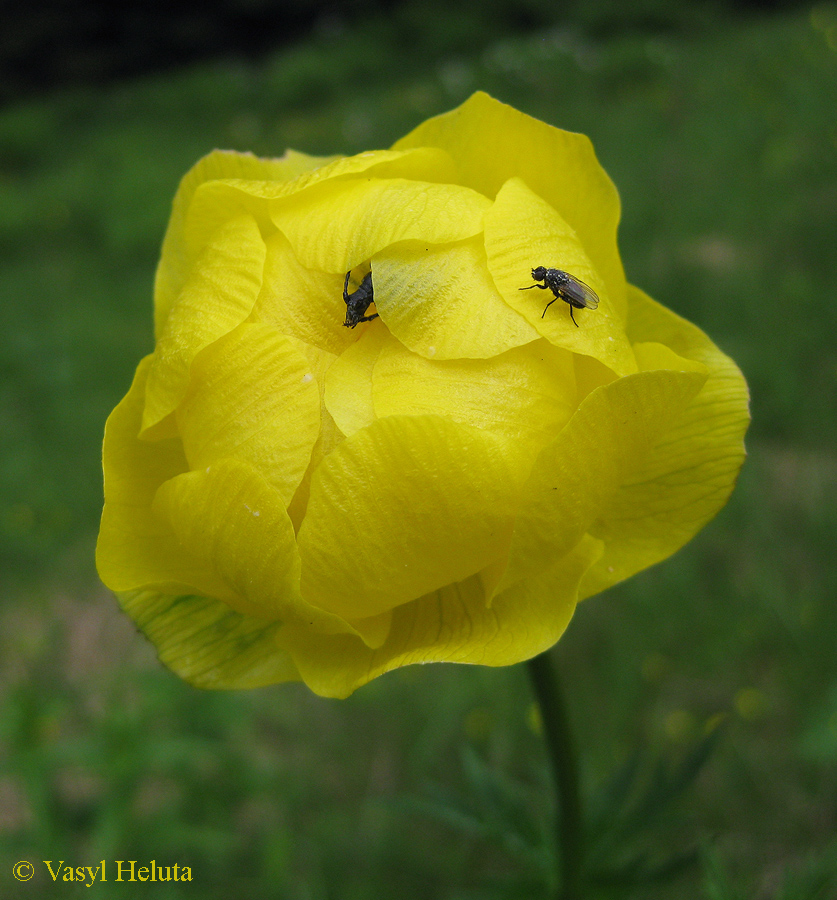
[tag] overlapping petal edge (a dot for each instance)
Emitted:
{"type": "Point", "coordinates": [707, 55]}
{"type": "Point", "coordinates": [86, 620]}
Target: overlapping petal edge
{"type": "Point", "coordinates": [639, 466]}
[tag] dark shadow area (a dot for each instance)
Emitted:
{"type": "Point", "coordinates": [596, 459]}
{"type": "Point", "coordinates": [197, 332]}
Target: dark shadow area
{"type": "Point", "coordinates": [59, 43]}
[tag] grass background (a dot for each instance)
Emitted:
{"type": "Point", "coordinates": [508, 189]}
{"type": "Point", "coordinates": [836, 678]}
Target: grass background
{"type": "Point", "coordinates": [722, 139]}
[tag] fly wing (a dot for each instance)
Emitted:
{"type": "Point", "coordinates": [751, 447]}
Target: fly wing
{"type": "Point", "coordinates": [580, 295]}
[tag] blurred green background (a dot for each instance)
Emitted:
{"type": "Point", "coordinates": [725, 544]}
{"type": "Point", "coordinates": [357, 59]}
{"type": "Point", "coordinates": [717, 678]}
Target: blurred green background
{"type": "Point", "coordinates": [719, 126]}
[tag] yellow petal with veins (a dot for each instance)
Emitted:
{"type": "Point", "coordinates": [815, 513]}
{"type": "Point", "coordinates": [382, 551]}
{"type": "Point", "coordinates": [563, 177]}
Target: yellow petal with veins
{"type": "Point", "coordinates": [175, 262]}
{"type": "Point", "coordinates": [254, 398]}
{"type": "Point", "coordinates": [401, 508]}
{"type": "Point", "coordinates": [491, 142]}
{"type": "Point", "coordinates": [522, 231]}
{"type": "Point", "coordinates": [440, 301]}
{"type": "Point", "coordinates": [338, 225]}
{"type": "Point", "coordinates": [681, 482]}
{"type": "Point", "coordinates": [218, 296]}
{"type": "Point", "coordinates": [452, 624]}
{"type": "Point", "coordinates": [601, 448]}
{"type": "Point", "coordinates": [525, 395]}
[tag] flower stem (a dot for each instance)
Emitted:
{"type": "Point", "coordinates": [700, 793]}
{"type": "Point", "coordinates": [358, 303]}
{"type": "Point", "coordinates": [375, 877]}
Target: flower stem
{"type": "Point", "coordinates": [559, 744]}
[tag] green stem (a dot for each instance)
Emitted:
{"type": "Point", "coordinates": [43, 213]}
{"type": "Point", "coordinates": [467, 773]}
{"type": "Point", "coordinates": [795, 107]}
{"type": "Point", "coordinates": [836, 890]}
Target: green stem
{"type": "Point", "coordinates": [562, 760]}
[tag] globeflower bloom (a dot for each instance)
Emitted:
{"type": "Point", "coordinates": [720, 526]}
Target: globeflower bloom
{"type": "Point", "coordinates": [288, 498]}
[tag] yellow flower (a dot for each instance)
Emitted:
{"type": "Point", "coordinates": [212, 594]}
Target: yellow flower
{"type": "Point", "coordinates": [288, 498]}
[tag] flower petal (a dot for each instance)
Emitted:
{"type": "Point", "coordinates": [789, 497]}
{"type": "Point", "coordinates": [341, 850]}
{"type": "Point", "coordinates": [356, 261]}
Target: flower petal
{"type": "Point", "coordinates": [304, 303]}
{"type": "Point", "coordinates": [219, 295]}
{"type": "Point", "coordinates": [522, 231]}
{"type": "Point", "coordinates": [208, 644]}
{"type": "Point", "coordinates": [348, 384]}
{"type": "Point", "coordinates": [601, 448]}
{"type": "Point", "coordinates": [525, 395]}
{"type": "Point", "coordinates": [175, 265]}
{"type": "Point", "coordinates": [491, 142]}
{"type": "Point", "coordinates": [216, 201]}
{"type": "Point", "coordinates": [235, 523]}
{"type": "Point", "coordinates": [402, 508]}
{"type": "Point", "coordinates": [135, 548]}
{"type": "Point", "coordinates": [254, 398]}
{"type": "Point", "coordinates": [330, 436]}
{"type": "Point", "coordinates": [453, 624]}
{"type": "Point", "coordinates": [440, 301]}
{"type": "Point", "coordinates": [337, 225]}
{"type": "Point", "coordinates": [417, 164]}
{"type": "Point", "coordinates": [231, 519]}
{"type": "Point", "coordinates": [683, 480]}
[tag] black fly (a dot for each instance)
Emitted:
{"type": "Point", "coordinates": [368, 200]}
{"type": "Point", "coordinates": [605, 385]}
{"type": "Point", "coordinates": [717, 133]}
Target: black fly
{"type": "Point", "coordinates": [573, 292]}
{"type": "Point", "coordinates": [358, 301]}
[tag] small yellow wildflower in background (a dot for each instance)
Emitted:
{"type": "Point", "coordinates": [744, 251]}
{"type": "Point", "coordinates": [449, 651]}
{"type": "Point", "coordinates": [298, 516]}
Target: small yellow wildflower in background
{"type": "Point", "coordinates": [287, 498]}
